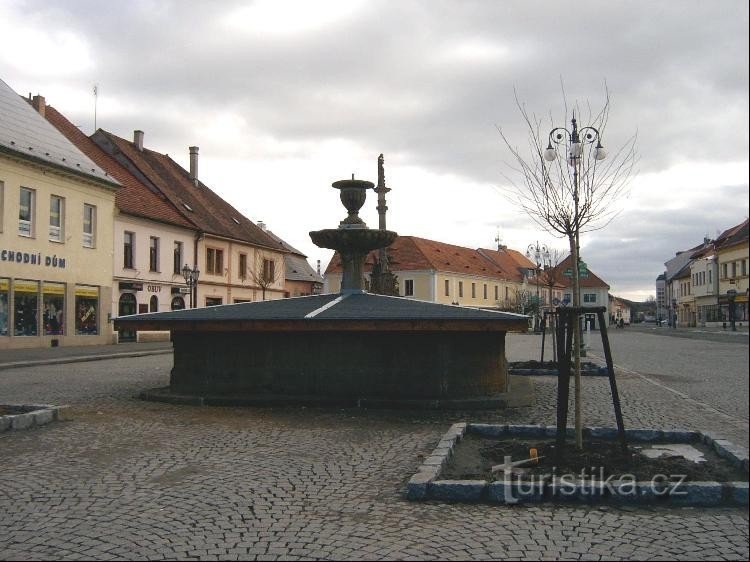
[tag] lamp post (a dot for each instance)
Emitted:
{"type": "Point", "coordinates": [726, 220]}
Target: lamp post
{"type": "Point", "coordinates": [191, 278]}
{"type": "Point", "coordinates": [541, 257]}
{"type": "Point", "coordinates": [581, 162]}
{"type": "Point", "coordinates": [731, 295]}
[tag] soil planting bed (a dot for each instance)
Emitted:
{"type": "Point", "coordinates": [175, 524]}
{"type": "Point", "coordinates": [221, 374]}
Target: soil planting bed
{"type": "Point", "coordinates": [550, 368]}
{"type": "Point", "coordinates": [475, 455]}
{"type": "Point", "coordinates": [6, 410]}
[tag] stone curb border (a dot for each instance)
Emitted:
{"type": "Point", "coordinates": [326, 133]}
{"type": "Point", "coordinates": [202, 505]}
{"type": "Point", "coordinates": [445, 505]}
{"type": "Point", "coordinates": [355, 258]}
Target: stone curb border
{"type": "Point", "coordinates": [82, 358]}
{"type": "Point", "coordinates": [41, 414]}
{"type": "Point", "coordinates": [425, 485]}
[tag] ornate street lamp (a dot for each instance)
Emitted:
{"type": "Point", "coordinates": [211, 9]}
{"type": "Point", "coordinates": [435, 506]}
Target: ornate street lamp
{"type": "Point", "coordinates": [582, 162]}
{"type": "Point", "coordinates": [541, 257]}
{"type": "Point", "coordinates": [191, 278]}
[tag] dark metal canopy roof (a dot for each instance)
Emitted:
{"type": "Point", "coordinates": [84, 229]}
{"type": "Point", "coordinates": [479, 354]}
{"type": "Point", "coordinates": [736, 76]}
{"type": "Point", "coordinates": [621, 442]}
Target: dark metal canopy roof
{"type": "Point", "coordinates": [353, 312]}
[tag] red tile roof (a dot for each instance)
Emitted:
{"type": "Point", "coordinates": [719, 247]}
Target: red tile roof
{"type": "Point", "coordinates": [134, 197]}
{"type": "Point", "coordinates": [592, 281]}
{"type": "Point", "coordinates": [410, 253]}
{"type": "Point", "coordinates": [210, 213]}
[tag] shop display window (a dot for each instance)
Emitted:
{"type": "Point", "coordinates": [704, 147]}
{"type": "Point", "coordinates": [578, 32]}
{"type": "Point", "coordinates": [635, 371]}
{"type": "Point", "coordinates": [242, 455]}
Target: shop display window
{"type": "Point", "coordinates": [87, 310]}
{"type": "Point", "coordinates": [53, 309]}
{"type": "Point", "coordinates": [26, 308]}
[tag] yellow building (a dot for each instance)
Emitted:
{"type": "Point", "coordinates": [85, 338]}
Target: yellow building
{"type": "Point", "coordinates": [732, 258]}
{"type": "Point", "coordinates": [447, 274]}
{"type": "Point", "coordinates": [56, 216]}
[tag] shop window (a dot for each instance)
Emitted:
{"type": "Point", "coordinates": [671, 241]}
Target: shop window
{"type": "Point", "coordinates": [53, 306]}
{"type": "Point", "coordinates": [87, 310]}
{"type": "Point", "coordinates": [26, 211]}
{"type": "Point", "coordinates": [153, 304]}
{"type": "Point", "coordinates": [26, 308]}
{"type": "Point", "coordinates": [89, 226]}
{"type": "Point", "coordinates": [56, 210]}
{"type": "Point", "coordinates": [178, 303]}
{"type": "Point", "coordinates": [4, 286]}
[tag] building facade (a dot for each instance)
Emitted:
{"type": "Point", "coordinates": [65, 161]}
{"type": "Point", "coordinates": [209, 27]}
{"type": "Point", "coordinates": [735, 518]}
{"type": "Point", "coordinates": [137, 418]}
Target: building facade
{"type": "Point", "coordinates": [732, 261]}
{"type": "Point", "coordinates": [56, 225]}
{"type": "Point", "coordinates": [447, 274]}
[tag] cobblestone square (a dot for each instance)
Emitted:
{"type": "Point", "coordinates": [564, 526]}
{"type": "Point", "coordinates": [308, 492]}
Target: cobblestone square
{"type": "Point", "coordinates": [127, 479]}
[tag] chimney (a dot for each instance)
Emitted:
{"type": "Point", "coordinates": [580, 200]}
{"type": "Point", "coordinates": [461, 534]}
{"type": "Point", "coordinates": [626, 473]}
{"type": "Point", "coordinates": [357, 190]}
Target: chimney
{"type": "Point", "coordinates": [138, 140]}
{"type": "Point", "coordinates": [318, 267]}
{"type": "Point", "coordinates": [194, 164]}
{"type": "Point", "coordinates": [39, 104]}
{"type": "Point", "coordinates": [261, 225]}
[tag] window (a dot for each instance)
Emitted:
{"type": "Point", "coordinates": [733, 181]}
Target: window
{"type": "Point", "coordinates": [177, 265]}
{"type": "Point", "coordinates": [460, 289]}
{"type": "Point", "coordinates": [4, 286]}
{"type": "Point", "coordinates": [485, 291]}
{"type": "Point", "coordinates": [589, 297]}
{"type": "Point", "coordinates": [734, 269]}
{"type": "Point", "coordinates": [744, 268]}
{"type": "Point", "coordinates": [724, 270]}
{"type": "Point", "coordinates": [214, 261]}
{"type": "Point", "coordinates": [243, 266]}
{"type": "Point", "coordinates": [53, 303]}
{"type": "Point", "coordinates": [56, 209]}
{"type": "Point", "coordinates": [153, 304]}
{"type": "Point", "coordinates": [213, 301]}
{"type": "Point", "coordinates": [153, 254]}
{"type": "Point", "coordinates": [2, 206]}
{"type": "Point", "coordinates": [178, 303]}
{"type": "Point", "coordinates": [473, 290]}
{"type": "Point", "coordinates": [87, 310]}
{"type": "Point", "coordinates": [128, 247]}
{"type": "Point", "coordinates": [26, 301]}
{"type": "Point", "coordinates": [409, 287]}
{"type": "Point", "coordinates": [89, 226]}
{"type": "Point", "coordinates": [269, 271]}
{"type": "Point", "coordinates": [26, 212]}
{"type": "Point", "coordinates": [710, 277]}
{"type": "Point", "coordinates": [447, 288]}
{"type": "Point", "coordinates": [497, 298]}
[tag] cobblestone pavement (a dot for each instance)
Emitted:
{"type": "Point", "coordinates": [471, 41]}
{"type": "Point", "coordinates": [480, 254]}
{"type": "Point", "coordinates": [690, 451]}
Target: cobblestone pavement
{"type": "Point", "coordinates": [126, 479]}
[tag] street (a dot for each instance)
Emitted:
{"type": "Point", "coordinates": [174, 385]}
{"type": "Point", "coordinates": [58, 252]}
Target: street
{"type": "Point", "coordinates": [127, 479]}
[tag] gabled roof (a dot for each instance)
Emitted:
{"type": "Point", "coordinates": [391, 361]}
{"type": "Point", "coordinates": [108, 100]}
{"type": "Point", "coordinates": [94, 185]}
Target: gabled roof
{"type": "Point", "coordinates": [733, 236]}
{"type": "Point", "coordinates": [26, 134]}
{"type": "Point", "coordinates": [513, 264]}
{"type": "Point", "coordinates": [134, 197]}
{"type": "Point", "coordinates": [193, 199]}
{"type": "Point", "coordinates": [593, 281]}
{"type": "Point", "coordinates": [410, 253]}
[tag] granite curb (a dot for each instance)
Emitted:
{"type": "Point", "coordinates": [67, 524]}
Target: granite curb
{"type": "Point", "coordinates": [81, 358]}
{"type": "Point", "coordinates": [426, 485]}
{"type": "Point", "coordinates": [38, 415]}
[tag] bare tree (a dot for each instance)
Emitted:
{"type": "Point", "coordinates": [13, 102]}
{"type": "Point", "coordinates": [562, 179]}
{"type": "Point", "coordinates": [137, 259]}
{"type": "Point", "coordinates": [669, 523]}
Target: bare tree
{"type": "Point", "coordinates": [573, 194]}
{"type": "Point", "coordinates": [266, 271]}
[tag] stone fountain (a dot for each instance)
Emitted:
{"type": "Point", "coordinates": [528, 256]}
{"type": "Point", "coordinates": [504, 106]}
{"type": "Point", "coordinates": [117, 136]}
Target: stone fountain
{"type": "Point", "coordinates": [351, 348]}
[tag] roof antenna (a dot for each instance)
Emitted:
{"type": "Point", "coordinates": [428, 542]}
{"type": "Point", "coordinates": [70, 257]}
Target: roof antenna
{"type": "Point", "coordinates": [498, 240]}
{"type": "Point", "coordinates": [96, 97]}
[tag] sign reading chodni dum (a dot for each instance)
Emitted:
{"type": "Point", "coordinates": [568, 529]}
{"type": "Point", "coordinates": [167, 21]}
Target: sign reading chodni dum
{"type": "Point", "coordinates": [336, 348]}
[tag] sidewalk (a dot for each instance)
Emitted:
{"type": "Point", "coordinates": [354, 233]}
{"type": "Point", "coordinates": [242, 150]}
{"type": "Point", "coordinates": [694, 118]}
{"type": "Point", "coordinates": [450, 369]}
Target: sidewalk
{"type": "Point", "coordinates": [10, 358]}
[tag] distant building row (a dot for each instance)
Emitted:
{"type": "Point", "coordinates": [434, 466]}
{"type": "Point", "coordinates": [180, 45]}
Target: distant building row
{"type": "Point", "coordinates": [97, 227]}
{"type": "Point", "coordinates": [707, 285]}
{"type": "Point", "coordinates": [499, 278]}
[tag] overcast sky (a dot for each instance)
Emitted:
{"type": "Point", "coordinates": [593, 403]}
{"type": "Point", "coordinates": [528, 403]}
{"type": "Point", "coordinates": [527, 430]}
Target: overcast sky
{"type": "Point", "coordinates": [284, 98]}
